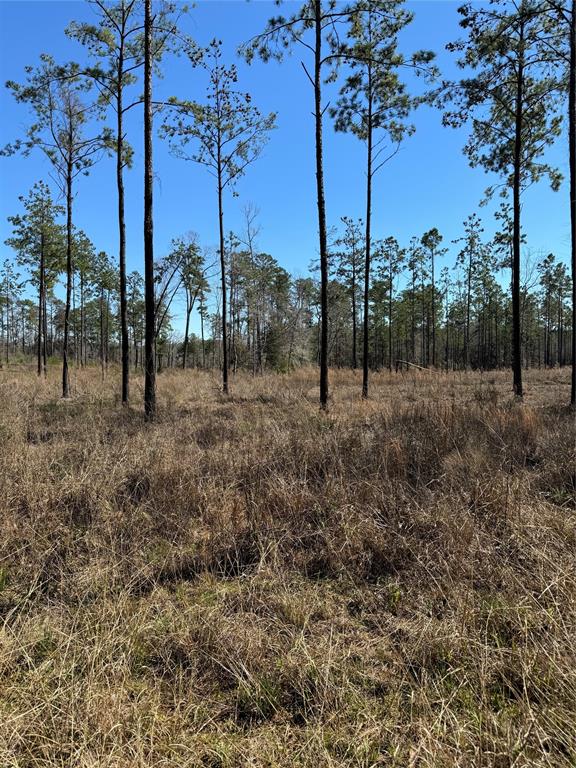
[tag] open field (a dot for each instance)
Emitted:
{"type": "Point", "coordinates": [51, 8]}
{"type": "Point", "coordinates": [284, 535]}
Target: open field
{"type": "Point", "coordinates": [249, 582]}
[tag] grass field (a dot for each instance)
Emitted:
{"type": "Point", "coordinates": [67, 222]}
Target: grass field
{"type": "Point", "coordinates": [249, 582]}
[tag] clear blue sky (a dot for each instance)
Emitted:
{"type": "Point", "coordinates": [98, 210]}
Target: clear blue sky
{"type": "Point", "coordinates": [428, 184]}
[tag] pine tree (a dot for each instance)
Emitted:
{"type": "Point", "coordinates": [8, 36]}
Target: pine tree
{"type": "Point", "coordinates": [313, 27]}
{"type": "Point", "coordinates": [226, 134]}
{"type": "Point", "coordinates": [511, 101]}
{"type": "Point", "coordinates": [374, 102]}
{"type": "Point", "coordinates": [39, 242]}
{"type": "Point", "coordinates": [560, 39]}
{"type": "Point", "coordinates": [115, 45]}
{"type": "Point", "coordinates": [56, 95]}
{"type": "Point", "coordinates": [349, 253]}
{"type": "Point", "coordinates": [431, 243]}
{"type": "Point", "coordinates": [149, 295]}
{"type": "Point", "coordinates": [392, 259]}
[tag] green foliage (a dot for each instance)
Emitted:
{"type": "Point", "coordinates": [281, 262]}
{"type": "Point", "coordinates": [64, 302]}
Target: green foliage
{"type": "Point", "coordinates": [374, 97]}
{"type": "Point", "coordinates": [227, 133]}
{"type": "Point", "coordinates": [515, 78]}
{"type": "Point", "coordinates": [115, 45]}
{"type": "Point", "coordinates": [37, 230]}
{"type": "Point", "coordinates": [56, 95]}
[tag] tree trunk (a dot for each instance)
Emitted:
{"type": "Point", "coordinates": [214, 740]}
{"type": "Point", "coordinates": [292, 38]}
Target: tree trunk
{"type": "Point", "coordinates": [496, 347]}
{"type": "Point", "coordinates": [7, 320]}
{"type": "Point", "coordinates": [150, 366]}
{"type": "Point", "coordinates": [52, 330]}
{"type": "Point", "coordinates": [82, 333]}
{"type": "Point", "coordinates": [40, 306]}
{"type": "Point", "coordinates": [223, 280]}
{"type": "Point", "coordinates": [107, 335]}
{"type": "Point", "coordinates": [321, 207]}
{"type": "Point", "coordinates": [45, 330]}
{"type": "Point", "coordinates": [447, 337]}
{"type": "Point", "coordinates": [259, 343]}
{"type": "Point", "coordinates": [122, 227]}
{"type": "Point", "coordinates": [354, 333]}
{"type": "Point", "coordinates": [366, 318]}
{"type": "Point", "coordinates": [433, 311]}
{"type": "Point", "coordinates": [5, 329]}
{"type": "Point", "coordinates": [102, 332]}
{"type": "Point", "coordinates": [468, 300]}
{"type": "Point", "coordinates": [413, 318]}
{"type": "Point", "coordinates": [516, 236]}
{"type": "Point", "coordinates": [572, 142]}
{"type": "Point", "coordinates": [232, 312]}
{"type": "Point", "coordinates": [202, 333]}
{"type": "Point", "coordinates": [65, 375]}
{"type": "Point", "coordinates": [390, 286]}
{"type": "Point", "coordinates": [186, 332]}
{"type": "Point", "coordinates": [559, 332]}
{"type": "Point", "coordinates": [23, 321]}
{"type": "Point", "coordinates": [423, 326]}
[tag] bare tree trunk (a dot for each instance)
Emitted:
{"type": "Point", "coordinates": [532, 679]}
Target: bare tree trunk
{"type": "Point", "coordinates": [223, 282]}
{"type": "Point", "coordinates": [23, 323]}
{"type": "Point", "coordinates": [423, 326]}
{"type": "Point", "coordinates": [496, 340]}
{"type": "Point", "coordinates": [122, 225]}
{"type": "Point", "coordinates": [232, 313]}
{"type": "Point", "coordinates": [391, 283]}
{"type": "Point", "coordinates": [447, 337]}
{"type": "Point", "coordinates": [102, 332]}
{"type": "Point", "coordinates": [202, 333]}
{"type": "Point", "coordinates": [321, 207]}
{"type": "Point", "coordinates": [82, 334]}
{"type": "Point", "coordinates": [516, 237]}
{"type": "Point", "coordinates": [433, 312]}
{"type": "Point", "coordinates": [65, 375]}
{"type": "Point", "coordinates": [366, 318]}
{"type": "Point", "coordinates": [572, 142]}
{"type": "Point", "coordinates": [40, 306]}
{"type": "Point", "coordinates": [259, 343]}
{"type": "Point", "coordinates": [354, 330]}
{"type": "Point", "coordinates": [45, 330]}
{"type": "Point", "coordinates": [150, 365]}
{"type": "Point", "coordinates": [7, 350]}
{"type": "Point", "coordinates": [107, 335]}
{"type": "Point", "coordinates": [467, 326]}
{"type": "Point", "coordinates": [186, 333]}
{"type": "Point", "coordinates": [413, 316]}
{"type": "Point", "coordinates": [559, 332]}
{"type": "Point", "coordinates": [52, 330]}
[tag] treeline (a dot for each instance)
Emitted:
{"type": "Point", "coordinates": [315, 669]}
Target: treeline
{"type": "Point", "coordinates": [376, 303]}
{"type": "Point", "coordinates": [421, 312]}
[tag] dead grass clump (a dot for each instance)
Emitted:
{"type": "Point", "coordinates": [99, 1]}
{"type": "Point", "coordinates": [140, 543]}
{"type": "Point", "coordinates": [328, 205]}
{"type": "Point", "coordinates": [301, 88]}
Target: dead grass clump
{"type": "Point", "coordinates": [249, 582]}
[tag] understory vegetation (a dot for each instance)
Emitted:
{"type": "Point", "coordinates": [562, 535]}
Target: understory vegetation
{"type": "Point", "coordinates": [249, 581]}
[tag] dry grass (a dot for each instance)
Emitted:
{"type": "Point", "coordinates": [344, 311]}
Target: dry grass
{"type": "Point", "coordinates": [250, 583]}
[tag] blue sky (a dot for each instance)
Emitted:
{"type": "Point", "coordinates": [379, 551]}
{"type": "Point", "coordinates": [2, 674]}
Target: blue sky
{"type": "Point", "coordinates": [428, 184]}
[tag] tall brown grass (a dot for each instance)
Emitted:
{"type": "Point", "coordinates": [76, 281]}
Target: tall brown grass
{"type": "Point", "coordinates": [250, 582]}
